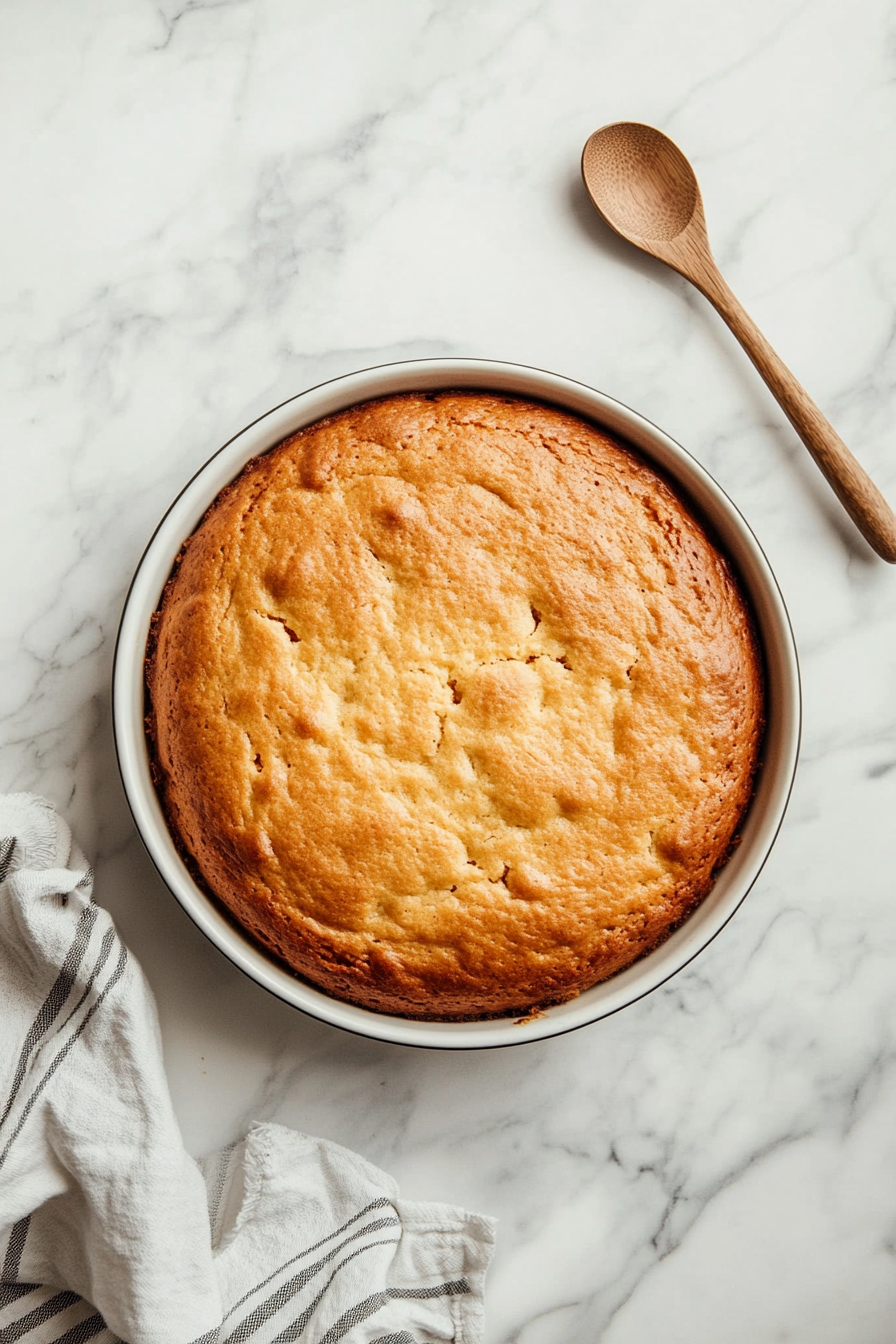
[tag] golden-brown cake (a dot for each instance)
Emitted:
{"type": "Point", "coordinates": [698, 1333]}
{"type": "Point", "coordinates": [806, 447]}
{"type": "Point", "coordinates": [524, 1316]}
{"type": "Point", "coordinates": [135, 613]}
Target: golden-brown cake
{"type": "Point", "coordinates": [453, 705]}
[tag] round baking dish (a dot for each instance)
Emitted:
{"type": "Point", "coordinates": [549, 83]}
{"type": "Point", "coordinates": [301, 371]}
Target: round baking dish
{"type": "Point", "coordinates": [779, 755]}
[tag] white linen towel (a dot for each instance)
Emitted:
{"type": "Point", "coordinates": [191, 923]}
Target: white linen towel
{"type": "Point", "coordinates": [108, 1228]}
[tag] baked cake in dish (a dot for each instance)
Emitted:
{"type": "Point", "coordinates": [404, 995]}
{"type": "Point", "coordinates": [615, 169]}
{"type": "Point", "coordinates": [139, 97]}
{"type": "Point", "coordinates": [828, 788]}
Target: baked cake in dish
{"type": "Point", "coordinates": [453, 705]}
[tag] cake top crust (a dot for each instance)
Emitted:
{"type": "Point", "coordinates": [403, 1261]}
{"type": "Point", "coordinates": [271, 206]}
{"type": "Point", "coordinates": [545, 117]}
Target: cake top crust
{"type": "Point", "coordinates": [454, 704]}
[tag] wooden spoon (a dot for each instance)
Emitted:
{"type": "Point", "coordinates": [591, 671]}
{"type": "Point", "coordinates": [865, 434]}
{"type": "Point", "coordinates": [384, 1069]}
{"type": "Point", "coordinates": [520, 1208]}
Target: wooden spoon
{"type": "Point", "coordinates": [647, 192]}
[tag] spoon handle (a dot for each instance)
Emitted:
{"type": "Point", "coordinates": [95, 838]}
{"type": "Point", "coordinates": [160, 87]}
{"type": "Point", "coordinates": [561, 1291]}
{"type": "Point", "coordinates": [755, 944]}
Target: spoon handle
{"type": "Point", "coordinates": [850, 482]}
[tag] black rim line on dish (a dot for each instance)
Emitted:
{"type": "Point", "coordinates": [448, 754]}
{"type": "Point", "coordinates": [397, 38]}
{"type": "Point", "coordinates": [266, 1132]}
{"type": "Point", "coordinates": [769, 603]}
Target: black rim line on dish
{"type": "Point", "coordinates": [563, 1031]}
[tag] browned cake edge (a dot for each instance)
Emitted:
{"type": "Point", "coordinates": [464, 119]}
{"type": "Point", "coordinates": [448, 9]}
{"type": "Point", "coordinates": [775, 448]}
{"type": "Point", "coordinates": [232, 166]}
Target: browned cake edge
{"type": "Point", "coordinates": [360, 980]}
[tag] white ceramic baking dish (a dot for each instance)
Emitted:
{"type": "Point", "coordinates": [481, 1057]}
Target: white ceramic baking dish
{"type": "Point", "coordinates": [779, 756]}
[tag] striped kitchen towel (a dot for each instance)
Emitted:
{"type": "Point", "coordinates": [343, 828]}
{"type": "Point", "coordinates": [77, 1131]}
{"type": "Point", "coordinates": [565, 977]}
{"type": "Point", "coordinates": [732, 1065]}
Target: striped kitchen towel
{"type": "Point", "coordinates": [108, 1228]}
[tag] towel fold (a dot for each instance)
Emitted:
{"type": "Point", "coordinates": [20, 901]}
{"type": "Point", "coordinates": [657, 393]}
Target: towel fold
{"type": "Point", "coordinates": [109, 1229]}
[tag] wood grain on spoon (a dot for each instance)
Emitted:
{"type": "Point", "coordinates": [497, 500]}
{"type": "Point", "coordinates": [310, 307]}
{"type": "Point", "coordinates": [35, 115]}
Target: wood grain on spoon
{"type": "Point", "coordinates": [647, 192]}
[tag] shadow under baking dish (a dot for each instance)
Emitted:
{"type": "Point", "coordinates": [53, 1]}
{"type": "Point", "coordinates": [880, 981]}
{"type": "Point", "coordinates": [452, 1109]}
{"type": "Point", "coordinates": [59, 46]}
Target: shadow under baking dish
{"type": "Point", "coordinates": [780, 748]}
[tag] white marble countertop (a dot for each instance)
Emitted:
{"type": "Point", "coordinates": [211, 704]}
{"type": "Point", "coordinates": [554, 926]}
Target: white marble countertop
{"type": "Point", "coordinates": [209, 207]}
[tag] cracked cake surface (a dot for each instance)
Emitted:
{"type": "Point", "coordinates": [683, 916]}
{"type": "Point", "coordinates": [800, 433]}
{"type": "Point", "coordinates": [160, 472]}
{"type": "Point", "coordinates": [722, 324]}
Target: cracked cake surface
{"type": "Point", "coordinates": [453, 705]}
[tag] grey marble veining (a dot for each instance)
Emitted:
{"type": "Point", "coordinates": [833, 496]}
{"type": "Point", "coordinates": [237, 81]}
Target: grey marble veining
{"type": "Point", "coordinates": [209, 207]}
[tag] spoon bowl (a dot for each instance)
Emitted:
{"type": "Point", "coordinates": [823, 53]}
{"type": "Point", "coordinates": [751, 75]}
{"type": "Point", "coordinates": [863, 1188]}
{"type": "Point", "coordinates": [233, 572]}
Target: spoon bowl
{"type": "Point", "coordinates": [646, 190]}
{"type": "Point", "coordinates": [640, 181]}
